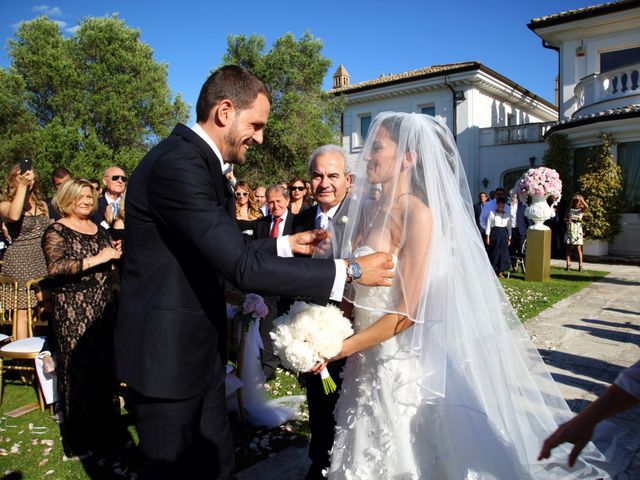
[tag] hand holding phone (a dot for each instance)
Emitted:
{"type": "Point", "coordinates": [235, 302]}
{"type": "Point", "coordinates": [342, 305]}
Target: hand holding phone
{"type": "Point", "coordinates": [25, 164]}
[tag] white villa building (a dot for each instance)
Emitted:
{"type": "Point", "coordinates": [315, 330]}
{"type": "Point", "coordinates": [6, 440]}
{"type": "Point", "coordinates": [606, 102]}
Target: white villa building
{"type": "Point", "coordinates": [599, 64]}
{"type": "Point", "coordinates": [498, 124]}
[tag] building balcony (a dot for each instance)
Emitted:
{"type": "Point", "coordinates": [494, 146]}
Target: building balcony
{"type": "Point", "coordinates": [525, 133]}
{"type": "Point", "coordinates": [603, 91]}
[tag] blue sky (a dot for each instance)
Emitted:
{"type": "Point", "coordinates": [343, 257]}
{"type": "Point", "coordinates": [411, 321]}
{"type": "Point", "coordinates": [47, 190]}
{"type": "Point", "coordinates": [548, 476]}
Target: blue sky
{"type": "Point", "coordinates": [368, 37]}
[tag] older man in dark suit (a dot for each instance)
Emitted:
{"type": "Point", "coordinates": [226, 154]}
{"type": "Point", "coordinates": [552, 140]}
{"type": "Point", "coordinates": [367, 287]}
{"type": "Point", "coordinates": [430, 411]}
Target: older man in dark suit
{"type": "Point", "coordinates": [277, 223]}
{"type": "Point", "coordinates": [181, 243]}
{"type": "Point", "coordinates": [330, 183]}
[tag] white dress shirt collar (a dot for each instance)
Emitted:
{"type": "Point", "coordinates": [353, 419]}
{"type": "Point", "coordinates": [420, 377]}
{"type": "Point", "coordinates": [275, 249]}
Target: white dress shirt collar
{"type": "Point", "coordinates": [330, 214]}
{"type": "Point", "coordinates": [202, 134]}
{"type": "Point", "coordinates": [110, 199]}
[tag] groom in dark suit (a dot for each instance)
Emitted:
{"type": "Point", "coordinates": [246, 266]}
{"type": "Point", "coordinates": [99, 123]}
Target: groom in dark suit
{"type": "Point", "coordinates": [181, 243]}
{"type": "Point", "coordinates": [330, 183]}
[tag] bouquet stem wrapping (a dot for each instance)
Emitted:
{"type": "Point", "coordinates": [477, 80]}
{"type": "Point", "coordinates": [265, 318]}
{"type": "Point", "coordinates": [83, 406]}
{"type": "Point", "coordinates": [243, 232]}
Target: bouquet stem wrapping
{"type": "Point", "coordinates": [328, 384]}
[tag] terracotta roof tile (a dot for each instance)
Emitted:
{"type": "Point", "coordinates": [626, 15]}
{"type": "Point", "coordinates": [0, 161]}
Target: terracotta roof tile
{"type": "Point", "coordinates": [395, 77]}
{"type": "Point", "coordinates": [632, 110]}
{"type": "Point", "coordinates": [579, 13]}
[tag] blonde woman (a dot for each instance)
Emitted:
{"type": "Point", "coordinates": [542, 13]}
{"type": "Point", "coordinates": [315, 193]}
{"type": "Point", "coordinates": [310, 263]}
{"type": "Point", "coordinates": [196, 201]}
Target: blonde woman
{"type": "Point", "coordinates": [574, 236]}
{"type": "Point", "coordinates": [246, 205]}
{"type": "Point", "coordinates": [79, 255]}
{"type": "Point", "coordinates": [26, 217]}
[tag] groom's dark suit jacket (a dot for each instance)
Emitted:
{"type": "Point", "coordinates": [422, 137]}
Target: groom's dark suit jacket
{"type": "Point", "coordinates": [181, 242]}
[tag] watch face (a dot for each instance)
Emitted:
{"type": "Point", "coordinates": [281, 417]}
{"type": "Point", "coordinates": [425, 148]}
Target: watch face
{"type": "Point", "coordinates": [355, 270]}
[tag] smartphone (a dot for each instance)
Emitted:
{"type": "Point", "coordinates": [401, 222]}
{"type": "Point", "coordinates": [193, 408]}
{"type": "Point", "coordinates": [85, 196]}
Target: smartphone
{"type": "Point", "coordinates": [25, 164]}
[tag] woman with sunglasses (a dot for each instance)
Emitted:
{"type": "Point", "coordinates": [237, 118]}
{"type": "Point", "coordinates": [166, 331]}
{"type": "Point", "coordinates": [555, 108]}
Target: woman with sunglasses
{"type": "Point", "coordinates": [246, 205]}
{"type": "Point", "coordinates": [299, 195]}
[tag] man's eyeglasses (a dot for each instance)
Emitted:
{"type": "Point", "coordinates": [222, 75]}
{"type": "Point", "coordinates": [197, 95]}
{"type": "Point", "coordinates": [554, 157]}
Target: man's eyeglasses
{"type": "Point", "coordinates": [115, 178]}
{"type": "Point", "coordinates": [241, 194]}
{"type": "Point", "coordinates": [300, 189]}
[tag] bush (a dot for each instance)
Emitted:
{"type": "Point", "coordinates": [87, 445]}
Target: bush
{"type": "Point", "coordinates": [601, 187]}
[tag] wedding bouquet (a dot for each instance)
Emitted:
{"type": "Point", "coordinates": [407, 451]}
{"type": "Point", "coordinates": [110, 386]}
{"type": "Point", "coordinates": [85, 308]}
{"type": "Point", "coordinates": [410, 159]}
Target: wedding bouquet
{"type": "Point", "coordinates": [308, 334]}
{"type": "Point", "coordinates": [539, 182]}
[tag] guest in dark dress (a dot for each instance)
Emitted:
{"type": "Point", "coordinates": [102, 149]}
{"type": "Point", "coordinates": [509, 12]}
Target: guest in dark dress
{"type": "Point", "coordinates": [79, 255]}
{"type": "Point", "coordinates": [299, 195]}
{"type": "Point", "coordinates": [26, 216]}
{"type": "Point", "coordinates": [499, 237]}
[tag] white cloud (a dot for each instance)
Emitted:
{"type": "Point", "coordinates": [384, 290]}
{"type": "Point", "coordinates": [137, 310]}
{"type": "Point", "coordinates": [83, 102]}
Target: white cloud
{"type": "Point", "coordinates": [62, 24]}
{"type": "Point", "coordinates": [73, 29]}
{"type": "Point", "coordinates": [48, 10]}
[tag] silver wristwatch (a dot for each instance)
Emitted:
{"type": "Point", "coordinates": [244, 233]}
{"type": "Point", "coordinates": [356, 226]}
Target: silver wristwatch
{"type": "Point", "coordinates": [354, 271]}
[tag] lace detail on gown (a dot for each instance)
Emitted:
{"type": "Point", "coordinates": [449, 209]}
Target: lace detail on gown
{"type": "Point", "coordinates": [378, 405]}
{"type": "Point", "coordinates": [386, 429]}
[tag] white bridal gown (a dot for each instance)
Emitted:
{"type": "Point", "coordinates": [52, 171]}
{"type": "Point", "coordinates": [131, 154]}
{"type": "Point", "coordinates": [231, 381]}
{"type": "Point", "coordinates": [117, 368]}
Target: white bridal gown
{"type": "Point", "coordinates": [385, 430]}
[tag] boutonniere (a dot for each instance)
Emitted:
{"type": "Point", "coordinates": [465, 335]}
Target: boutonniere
{"type": "Point", "coordinates": [344, 219]}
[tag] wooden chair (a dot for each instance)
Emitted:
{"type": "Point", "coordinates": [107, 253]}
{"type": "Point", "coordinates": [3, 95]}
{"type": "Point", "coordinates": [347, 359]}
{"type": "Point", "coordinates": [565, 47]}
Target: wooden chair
{"type": "Point", "coordinates": [8, 308]}
{"type": "Point", "coordinates": [35, 320]}
{"type": "Point", "coordinates": [17, 355]}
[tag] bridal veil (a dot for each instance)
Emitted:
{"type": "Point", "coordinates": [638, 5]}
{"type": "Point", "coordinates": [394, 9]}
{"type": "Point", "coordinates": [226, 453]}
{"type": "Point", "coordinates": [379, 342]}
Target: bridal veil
{"type": "Point", "coordinates": [487, 398]}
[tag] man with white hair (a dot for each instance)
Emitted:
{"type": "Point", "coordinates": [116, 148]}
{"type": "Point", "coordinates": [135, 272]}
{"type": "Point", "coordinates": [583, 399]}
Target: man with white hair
{"type": "Point", "coordinates": [115, 183]}
{"type": "Point", "coordinates": [330, 183]}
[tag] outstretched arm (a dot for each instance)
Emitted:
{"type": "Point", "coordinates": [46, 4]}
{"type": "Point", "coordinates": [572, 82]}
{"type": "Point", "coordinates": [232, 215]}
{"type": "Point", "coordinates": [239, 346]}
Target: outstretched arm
{"type": "Point", "coordinates": [579, 429]}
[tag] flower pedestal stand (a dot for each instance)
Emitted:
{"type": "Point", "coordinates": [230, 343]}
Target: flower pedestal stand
{"type": "Point", "coordinates": [538, 259]}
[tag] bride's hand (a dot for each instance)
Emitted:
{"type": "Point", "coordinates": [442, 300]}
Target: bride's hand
{"type": "Point", "coordinates": [319, 367]}
{"type": "Point", "coordinates": [323, 364]}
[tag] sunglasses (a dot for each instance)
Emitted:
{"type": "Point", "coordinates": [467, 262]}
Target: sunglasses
{"type": "Point", "coordinates": [300, 189]}
{"type": "Point", "coordinates": [242, 194]}
{"type": "Point", "coordinates": [115, 178]}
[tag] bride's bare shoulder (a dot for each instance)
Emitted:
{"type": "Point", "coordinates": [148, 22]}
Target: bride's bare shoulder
{"type": "Point", "coordinates": [418, 212]}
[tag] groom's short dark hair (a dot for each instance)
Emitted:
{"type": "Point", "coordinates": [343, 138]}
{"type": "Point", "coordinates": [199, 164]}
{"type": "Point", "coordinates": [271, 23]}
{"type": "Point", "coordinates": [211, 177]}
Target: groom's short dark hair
{"type": "Point", "coordinates": [231, 82]}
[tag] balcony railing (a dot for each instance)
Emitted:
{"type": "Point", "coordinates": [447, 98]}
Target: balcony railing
{"type": "Point", "coordinates": [615, 84]}
{"type": "Point", "coordinates": [526, 133]}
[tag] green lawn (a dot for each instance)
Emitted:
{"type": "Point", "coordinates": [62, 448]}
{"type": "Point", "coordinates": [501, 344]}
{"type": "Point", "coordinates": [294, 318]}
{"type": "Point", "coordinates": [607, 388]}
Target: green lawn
{"type": "Point", "coordinates": [531, 298]}
{"type": "Point", "coordinates": [30, 445]}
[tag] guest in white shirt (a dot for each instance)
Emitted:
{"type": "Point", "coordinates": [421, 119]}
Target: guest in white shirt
{"type": "Point", "coordinates": [498, 237]}
{"type": "Point", "coordinates": [490, 206]}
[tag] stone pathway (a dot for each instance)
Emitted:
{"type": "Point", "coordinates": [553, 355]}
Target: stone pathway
{"type": "Point", "coordinates": [585, 339]}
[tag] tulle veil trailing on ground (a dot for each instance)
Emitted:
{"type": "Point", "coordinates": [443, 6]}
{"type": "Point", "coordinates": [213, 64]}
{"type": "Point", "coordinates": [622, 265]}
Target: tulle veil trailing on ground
{"type": "Point", "coordinates": [487, 400]}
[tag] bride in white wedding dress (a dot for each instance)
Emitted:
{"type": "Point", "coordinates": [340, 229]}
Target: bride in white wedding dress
{"type": "Point", "coordinates": [442, 381]}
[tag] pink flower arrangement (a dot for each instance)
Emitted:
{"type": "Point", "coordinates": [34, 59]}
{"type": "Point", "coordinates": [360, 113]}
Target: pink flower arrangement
{"type": "Point", "coordinates": [253, 307]}
{"type": "Point", "coordinates": [541, 182]}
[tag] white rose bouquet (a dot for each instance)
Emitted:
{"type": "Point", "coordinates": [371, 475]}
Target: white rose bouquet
{"type": "Point", "coordinates": [308, 334]}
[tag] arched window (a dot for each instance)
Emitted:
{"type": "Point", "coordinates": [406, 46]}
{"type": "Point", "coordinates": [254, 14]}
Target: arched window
{"type": "Point", "coordinates": [510, 177]}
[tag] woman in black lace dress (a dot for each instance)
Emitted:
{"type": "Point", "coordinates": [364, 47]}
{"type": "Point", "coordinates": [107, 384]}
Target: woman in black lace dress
{"type": "Point", "coordinates": [79, 256]}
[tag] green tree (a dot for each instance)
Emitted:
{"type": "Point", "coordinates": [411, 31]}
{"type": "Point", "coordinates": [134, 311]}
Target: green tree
{"type": "Point", "coordinates": [303, 116]}
{"type": "Point", "coordinates": [601, 187]}
{"type": "Point", "coordinates": [94, 99]}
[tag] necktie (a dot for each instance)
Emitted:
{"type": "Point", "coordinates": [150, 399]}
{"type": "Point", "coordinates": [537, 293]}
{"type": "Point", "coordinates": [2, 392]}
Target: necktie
{"type": "Point", "coordinates": [276, 227]}
{"type": "Point", "coordinates": [115, 206]}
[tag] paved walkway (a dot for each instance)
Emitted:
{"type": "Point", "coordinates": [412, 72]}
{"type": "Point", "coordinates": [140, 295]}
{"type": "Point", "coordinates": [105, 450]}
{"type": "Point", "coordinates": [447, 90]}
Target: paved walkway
{"type": "Point", "coordinates": [585, 339]}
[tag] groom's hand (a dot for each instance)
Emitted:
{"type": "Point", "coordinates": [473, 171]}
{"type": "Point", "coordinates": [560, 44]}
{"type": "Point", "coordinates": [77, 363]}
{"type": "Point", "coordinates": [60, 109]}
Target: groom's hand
{"type": "Point", "coordinates": [304, 243]}
{"type": "Point", "coordinates": [376, 269]}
